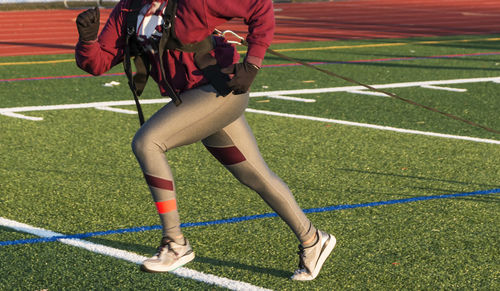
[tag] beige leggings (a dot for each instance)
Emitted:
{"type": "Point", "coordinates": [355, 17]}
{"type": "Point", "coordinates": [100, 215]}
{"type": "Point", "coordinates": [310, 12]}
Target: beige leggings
{"type": "Point", "coordinates": [221, 126]}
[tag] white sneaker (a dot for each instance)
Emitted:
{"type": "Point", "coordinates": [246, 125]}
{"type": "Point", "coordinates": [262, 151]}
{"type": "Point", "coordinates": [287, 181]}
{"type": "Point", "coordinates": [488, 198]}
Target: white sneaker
{"type": "Point", "coordinates": [169, 256]}
{"type": "Point", "coordinates": [313, 257]}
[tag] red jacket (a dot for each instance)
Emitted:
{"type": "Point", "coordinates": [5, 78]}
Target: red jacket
{"type": "Point", "coordinates": [196, 19]}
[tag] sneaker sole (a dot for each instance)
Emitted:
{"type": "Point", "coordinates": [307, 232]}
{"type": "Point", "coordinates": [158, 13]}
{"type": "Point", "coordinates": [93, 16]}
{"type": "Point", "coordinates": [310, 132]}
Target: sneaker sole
{"type": "Point", "coordinates": [330, 244]}
{"type": "Point", "coordinates": [162, 269]}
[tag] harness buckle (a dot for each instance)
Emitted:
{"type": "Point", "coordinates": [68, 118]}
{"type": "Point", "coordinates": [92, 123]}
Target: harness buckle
{"type": "Point", "coordinates": [130, 30]}
{"type": "Point", "coordinates": [167, 25]}
{"type": "Point", "coordinates": [229, 33]}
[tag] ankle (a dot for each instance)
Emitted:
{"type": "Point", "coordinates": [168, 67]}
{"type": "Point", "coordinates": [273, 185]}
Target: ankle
{"type": "Point", "coordinates": [310, 242]}
{"type": "Point", "coordinates": [180, 240]}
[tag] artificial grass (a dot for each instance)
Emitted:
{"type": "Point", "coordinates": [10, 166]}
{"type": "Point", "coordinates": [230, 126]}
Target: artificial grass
{"type": "Point", "coordinates": [74, 172]}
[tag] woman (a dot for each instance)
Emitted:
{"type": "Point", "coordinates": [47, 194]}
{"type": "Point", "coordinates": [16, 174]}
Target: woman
{"type": "Point", "coordinates": [201, 112]}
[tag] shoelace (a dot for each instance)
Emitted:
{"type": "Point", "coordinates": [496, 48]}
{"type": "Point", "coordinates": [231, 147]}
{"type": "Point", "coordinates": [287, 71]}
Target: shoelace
{"type": "Point", "coordinates": [302, 256]}
{"type": "Point", "coordinates": [165, 244]}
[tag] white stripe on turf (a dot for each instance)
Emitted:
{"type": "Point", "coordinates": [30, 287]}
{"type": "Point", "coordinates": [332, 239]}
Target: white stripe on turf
{"type": "Point", "coordinates": [379, 127]}
{"type": "Point", "coordinates": [13, 111]}
{"type": "Point", "coordinates": [129, 256]}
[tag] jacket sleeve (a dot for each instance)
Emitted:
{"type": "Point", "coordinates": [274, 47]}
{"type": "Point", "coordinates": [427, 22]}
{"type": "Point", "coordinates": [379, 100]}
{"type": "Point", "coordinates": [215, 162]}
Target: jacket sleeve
{"type": "Point", "coordinates": [257, 14]}
{"type": "Point", "coordinates": [98, 57]}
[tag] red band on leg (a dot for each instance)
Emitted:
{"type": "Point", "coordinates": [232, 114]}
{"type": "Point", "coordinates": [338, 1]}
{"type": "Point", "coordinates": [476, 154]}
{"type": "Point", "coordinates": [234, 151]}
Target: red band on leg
{"type": "Point", "coordinates": [159, 182]}
{"type": "Point", "coordinates": [166, 206]}
{"type": "Point", "coordinates": [228, 155]}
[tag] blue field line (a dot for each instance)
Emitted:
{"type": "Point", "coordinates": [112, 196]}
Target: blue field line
{"type": "Point", "coordinates": [249, 217]}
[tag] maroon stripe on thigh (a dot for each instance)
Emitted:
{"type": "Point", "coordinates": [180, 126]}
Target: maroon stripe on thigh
{"type": "Point", "coordinates": [227, 155]}
{"type": "Point", "coordinates": [159, 182]}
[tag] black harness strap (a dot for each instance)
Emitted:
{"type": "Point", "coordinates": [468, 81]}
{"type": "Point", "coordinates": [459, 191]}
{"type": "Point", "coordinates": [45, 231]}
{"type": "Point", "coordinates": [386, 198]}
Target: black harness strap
{"type": "Point", "coordinates": [202, 57]}
{"type": "Point", "coordinates": [168, 27]}
{"type": "Point", "coordinates": [168, 41]}
{"type": "Point", "coordinates": [137, 82]}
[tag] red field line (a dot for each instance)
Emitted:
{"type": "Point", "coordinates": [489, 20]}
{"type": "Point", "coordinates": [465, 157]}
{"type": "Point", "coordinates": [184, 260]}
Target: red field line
{"type": "Point", "coordinates": [40, 32]}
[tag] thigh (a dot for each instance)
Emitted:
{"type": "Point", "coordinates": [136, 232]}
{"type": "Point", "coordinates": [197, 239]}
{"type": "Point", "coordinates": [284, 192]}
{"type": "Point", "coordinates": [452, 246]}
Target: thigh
{"type": "Point", "coordinates": [235, 143]}
{"type": "Point", "coordinates": [201, 113]}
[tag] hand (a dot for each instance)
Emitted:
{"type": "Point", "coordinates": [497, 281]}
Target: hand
{"type": "Point", "coordinates": [87, 24]}
{"type": "Point", "coordinates": [244, 75]}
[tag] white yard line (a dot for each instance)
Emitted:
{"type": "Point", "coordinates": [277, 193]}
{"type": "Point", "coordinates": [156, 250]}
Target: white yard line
{"type": "Point", "coordinates": [256, 94]}
{"type": "Point", "coordinates": [130, 257]}
{"type": "Point", "coordinates": [379, 86]}
{"type": "Point", "coordinates": [82, 105]}
{"type": "Point", "coordinates": [289, 98]}
{"type": "Point", "coordinates": [379, 127]}
{"type": "Point", "coordinates": [14, 111]}
{"type": "Point", "coordinates": [367, 92]}
{"type": "Point", "coordinates": [431, 84]}
{"type": "Point", "coordinates": [118, 110]}
{"type": "Point", "coordinates": [444, 88]}
{"type": "Point", "coordinates": [17, 115]}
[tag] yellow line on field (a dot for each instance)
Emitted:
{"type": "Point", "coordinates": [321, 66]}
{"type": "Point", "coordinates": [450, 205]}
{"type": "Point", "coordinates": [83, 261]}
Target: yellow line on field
{"type": "Point", "coordinates": [385, 44]}
{"type": "Point", "coordinates": [341, 47]}
{"type": "Point", "coordinates": [456, 40]}
{"type": "Point", "coordinates": [300, 49]}
{"type": "Point", "coordinates": [335, 47]}
{"type": "Point", "coordinates": [38, 62]}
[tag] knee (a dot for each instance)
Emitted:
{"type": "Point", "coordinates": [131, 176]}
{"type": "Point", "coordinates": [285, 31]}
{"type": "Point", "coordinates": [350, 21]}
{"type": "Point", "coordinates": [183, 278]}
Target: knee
{"type": "Point", "coordinates": [137, 145]}
{"type": "Point", "coordinates": [143, 143]}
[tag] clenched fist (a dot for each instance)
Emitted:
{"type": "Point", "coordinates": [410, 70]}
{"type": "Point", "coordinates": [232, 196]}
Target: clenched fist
{"type": "Point", "coordinates": [87, 24]}
{"type": "Point", "coordinates": [244, 75]}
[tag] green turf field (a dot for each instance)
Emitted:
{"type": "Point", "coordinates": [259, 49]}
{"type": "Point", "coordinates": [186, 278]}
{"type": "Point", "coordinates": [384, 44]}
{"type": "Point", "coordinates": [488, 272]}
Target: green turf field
{"type": "Point", "coordinates": [73, 172]}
